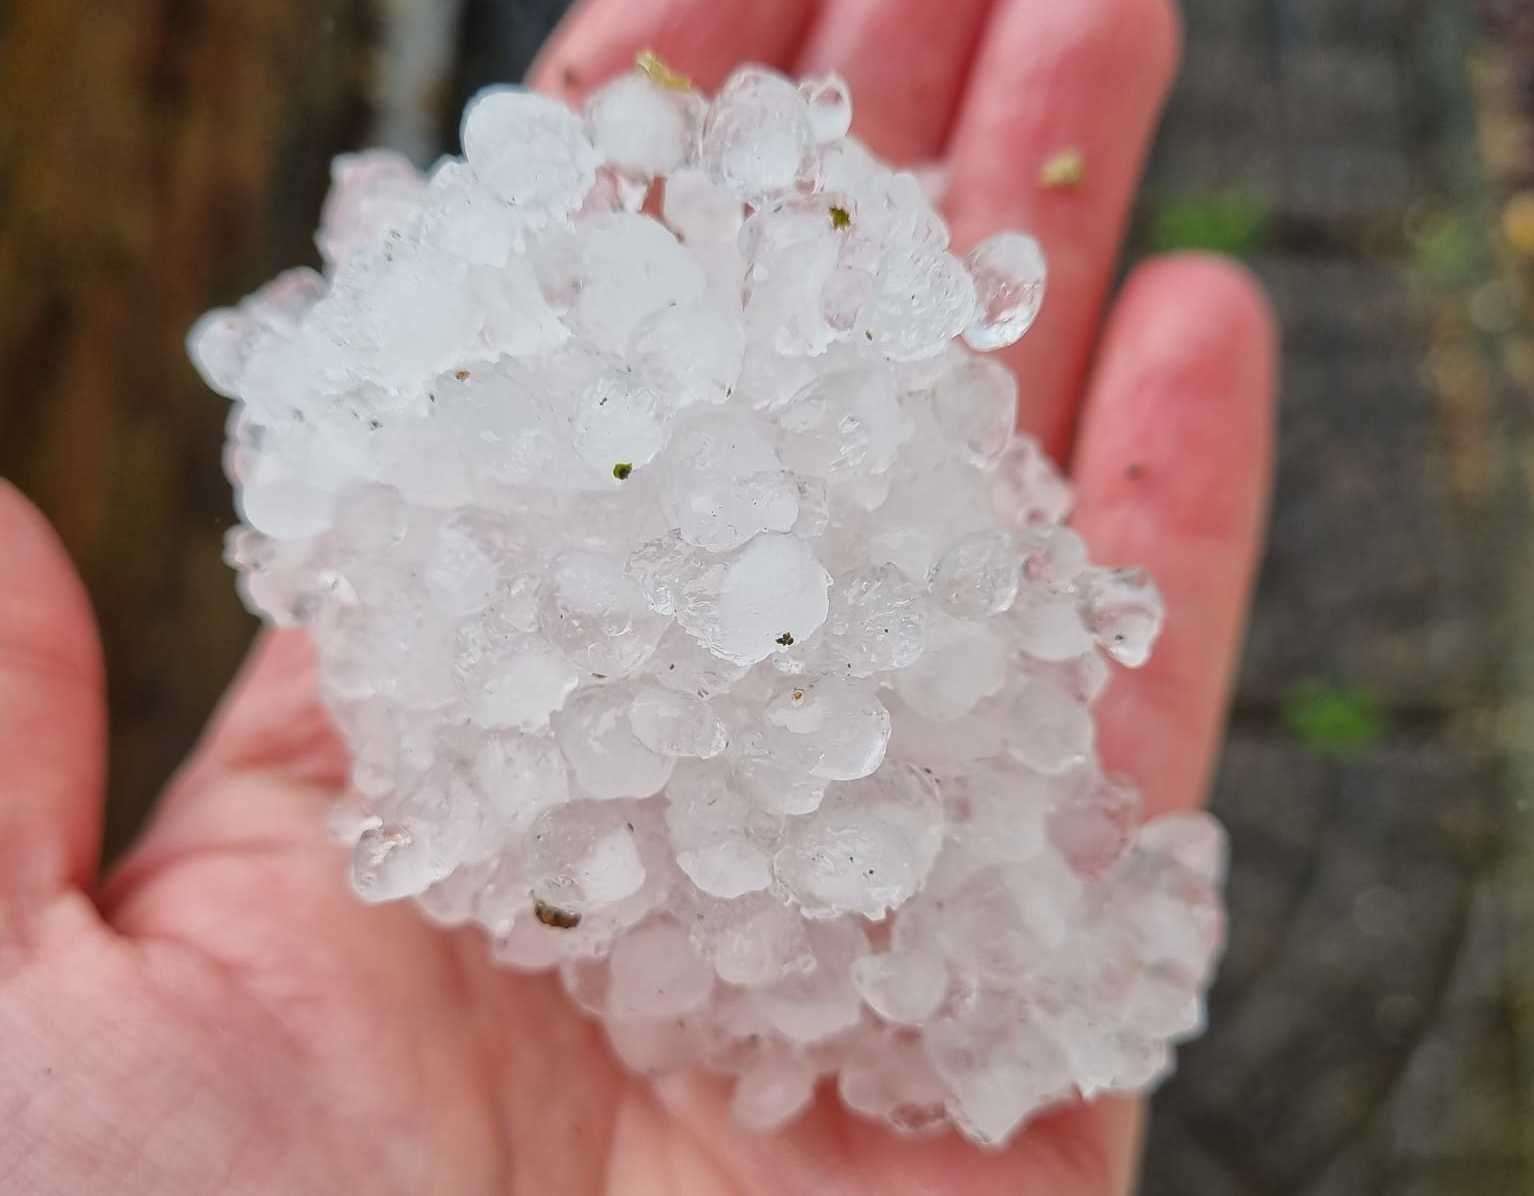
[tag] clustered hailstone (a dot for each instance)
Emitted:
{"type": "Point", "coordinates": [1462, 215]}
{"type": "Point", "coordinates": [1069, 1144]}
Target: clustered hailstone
{"type": "Point", "coordinates": [699, 624]}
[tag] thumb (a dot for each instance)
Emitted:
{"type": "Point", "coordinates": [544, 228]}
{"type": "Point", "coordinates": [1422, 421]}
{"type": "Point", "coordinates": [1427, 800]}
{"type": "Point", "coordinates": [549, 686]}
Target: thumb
{"type": "Point", "coordinates": [52, 713]}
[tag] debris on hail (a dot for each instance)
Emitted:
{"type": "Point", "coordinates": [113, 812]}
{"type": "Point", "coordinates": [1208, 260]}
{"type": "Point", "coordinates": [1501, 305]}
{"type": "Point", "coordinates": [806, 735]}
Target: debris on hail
{"type": "Point", "coordinates": [698, 623]}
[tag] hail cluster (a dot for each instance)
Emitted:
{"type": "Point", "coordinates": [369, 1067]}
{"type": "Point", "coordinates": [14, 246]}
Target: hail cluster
{"type": "Point", "coordinates": [698, 622]}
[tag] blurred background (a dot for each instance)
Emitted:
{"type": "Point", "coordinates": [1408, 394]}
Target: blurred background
{"type": "Point", "coordinates": [1373, 1029]}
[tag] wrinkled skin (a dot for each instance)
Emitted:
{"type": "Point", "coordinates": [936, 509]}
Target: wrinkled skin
{"type": "Point", "coordinates": [219, 1015]}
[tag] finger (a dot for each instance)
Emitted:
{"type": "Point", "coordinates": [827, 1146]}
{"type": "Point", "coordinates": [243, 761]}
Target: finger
{"type": "Point", "coordinates": [260, 775]}
{"type": "Point", "coordinates": [272, 719]}
{"type": "Point", "coordinates": [1087, 77]}
{"type": "Point", "coordinates": [906, 63]}
{"type": "Point", "coordinates": [52, 712]}
{"type": "Point", "coordinates": [271, 725]}
{"type": "Point", "coordinates": [1173, 469]}
{"type": "Point", "coordinates": [702, 39]}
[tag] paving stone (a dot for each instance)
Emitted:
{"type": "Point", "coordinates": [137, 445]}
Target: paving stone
{"type": "Point", "coordinates": [1342, 95]}
{"type": "Point", "coordinates": [1183, 1164]}
{"type": "Point", "coordinates": [1346, 182]}
{"type": "Point", "coordinates": [1357, 946]}
{"type": "Point", "coordinates": [1335, 304]}
{"type": "Point", "coordinates": [1244, 20]}
{"type": "Point", "coordinates": [1329, 22]}
{"type": "Point", "coordinates": [1368, 579]}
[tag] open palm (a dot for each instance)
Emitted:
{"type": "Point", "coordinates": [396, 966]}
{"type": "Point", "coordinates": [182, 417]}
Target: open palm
{"type": "Point", "coordinates": [220, 1015]}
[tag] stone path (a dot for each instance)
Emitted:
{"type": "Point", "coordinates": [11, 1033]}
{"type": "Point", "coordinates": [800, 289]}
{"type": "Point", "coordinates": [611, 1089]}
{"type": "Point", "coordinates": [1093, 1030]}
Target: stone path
{"type": "Point", "coordinates": [1365, 1031]}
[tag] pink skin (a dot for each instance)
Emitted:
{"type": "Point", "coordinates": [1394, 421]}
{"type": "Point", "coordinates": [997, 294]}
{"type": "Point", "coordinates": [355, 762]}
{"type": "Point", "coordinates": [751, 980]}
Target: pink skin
{"type": "Point", "coordinates": [219, 1015]}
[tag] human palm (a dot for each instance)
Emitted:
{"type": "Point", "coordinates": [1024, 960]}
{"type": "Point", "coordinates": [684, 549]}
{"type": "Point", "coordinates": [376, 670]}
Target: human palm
{"type": "Point", "coordinates": [220, 1015]}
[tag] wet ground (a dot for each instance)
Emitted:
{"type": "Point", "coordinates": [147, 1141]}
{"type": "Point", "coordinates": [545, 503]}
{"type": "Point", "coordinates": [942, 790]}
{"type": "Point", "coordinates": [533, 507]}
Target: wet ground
{"type": "Point", "coordinates": [1370, 1031]}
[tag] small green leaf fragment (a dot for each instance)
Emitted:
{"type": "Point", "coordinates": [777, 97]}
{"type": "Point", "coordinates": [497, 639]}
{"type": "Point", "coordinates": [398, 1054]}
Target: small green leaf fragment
{"type": "Point", "coordinates": [840, 218]}
{"type": "Point", "coordinates": [622, 470]}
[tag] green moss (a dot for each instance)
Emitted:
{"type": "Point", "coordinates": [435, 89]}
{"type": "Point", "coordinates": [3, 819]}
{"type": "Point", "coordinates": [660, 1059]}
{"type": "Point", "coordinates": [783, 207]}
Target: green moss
{"type": "Point", "coordinates": [840, 218]}
{"type": "Point", "coordinates": [1445, 249]}
{"type": "Point", "coordinates": [622, 470]}
{"type": "Point", "coordinates": [1333, 721]}
{"type": "Point", "coordinates": [1234, 222]}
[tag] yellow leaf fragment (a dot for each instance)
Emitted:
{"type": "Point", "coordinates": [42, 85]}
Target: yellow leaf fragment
{"type": "Point", "coordinates": [660, 74]}
{"type": "Point", "coordinates": [1067, 168]}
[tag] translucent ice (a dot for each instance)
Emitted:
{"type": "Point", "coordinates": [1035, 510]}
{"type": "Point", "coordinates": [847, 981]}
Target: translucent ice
{"type": "Point", "coordinates": [699, 623]}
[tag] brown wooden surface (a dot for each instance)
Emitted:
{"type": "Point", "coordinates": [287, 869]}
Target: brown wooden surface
{"type": "Point", "coordinates": [156, 156]}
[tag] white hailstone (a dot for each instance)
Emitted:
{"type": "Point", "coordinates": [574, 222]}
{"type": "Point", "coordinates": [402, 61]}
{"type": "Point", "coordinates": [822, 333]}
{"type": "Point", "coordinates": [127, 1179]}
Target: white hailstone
{"type": "Point", "coordinates": [964, 662]}
{"type": "Point", "coordinates": [371, 193]}
{"type": "Point", "coordinates": [829, 100]}
{"type": "Point", "coordinates": [813, 1005]}
{"type": "Point", "coordinates": [530, 150]}
{"type": "Point", "coordinates": [975, 403]}
{"type": "Point", "coordinates": [520, 776]}
{"type": "Point", "coordinates": [583, 855]}
{"type": "Point", "coordinates": [843, 423]}
{"type": "Point", "coordinates": [837, 728]}
{"type": "Point", "coordinates": [877, 622]}
{"type": "Point", "coordinates": [677, 724]}
{"type": "Point", "coordinates": [699, 210]}
{"type": "Point", "coordinates": [524, 687]}
{"type": "Point", "coordinates": [725, 482]}
{"type": "Point", "coordinates": [641, 127]}
{"type": "Point", "coordinates": [699, 625]}
{"type": "Point", "coordinates": [752, 940]}
{"type": "Point", "coordinates": [630, 267]}
{"type": "Point", "coordinates": [1093, 825]}
{"type": "Point", "coordinates": [1122, 608]}
{"type": "Point", "coordinates": [867, 849]}
{"type": "Point", "coordinates": [978, 576]}
{"type": "Point", "coordinates": [1046, 617]}
{"type": "Point", "coordinates": [772, 594]}
{"type": "Point", "coordinates": [1052, 731]}
{"type": "Point", "coordinates": [720, 842]}
{"type": "Point", "coordinates": [684, 664]}
{"type": "Point", "coordinates": [606, 757]}
{"type": "Point", "coordinates": [461, 572]}
{"type": "Point", "coordinates": [470, 221]}
{"type": "Point", "coordinates": [888, 1077]}
{"type": "Point", "coordinates": [593, 613]}
{"type": "Point", "coordinates": [758, 139]}
{"type": "Point", "coordinates": [1029, 492]}
{"type": "Point", "coordinates": [1009, 274]}
{"type": "Point", "coordinates": [656, 973]}
{"type": "Point", "coordinates": [997, 1067]}
{"type": "Point", "coordinates": [922, 299]}
{"type": "Point", "coordinates": [586, 982]}
{"type": "Point", "coordinates": [390, 862]}
{"type": "Point", "coordinates": [1000, 807]}
{"type": "Point", "coordinates": [695, 352]}
{"type": "Point", "coordinates": [774, 784]}
{"type": "Point", "coordinates": [773, 1092]}
{"type": "Point", "coordinates": [902, 987]}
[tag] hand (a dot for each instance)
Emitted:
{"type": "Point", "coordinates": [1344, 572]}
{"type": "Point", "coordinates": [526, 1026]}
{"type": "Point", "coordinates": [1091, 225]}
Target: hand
{"type": "Point", "coordinates": [220, 1015]}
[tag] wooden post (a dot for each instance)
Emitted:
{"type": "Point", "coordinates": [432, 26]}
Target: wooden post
{"type": "Point", "coordinates": [156, 157]}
